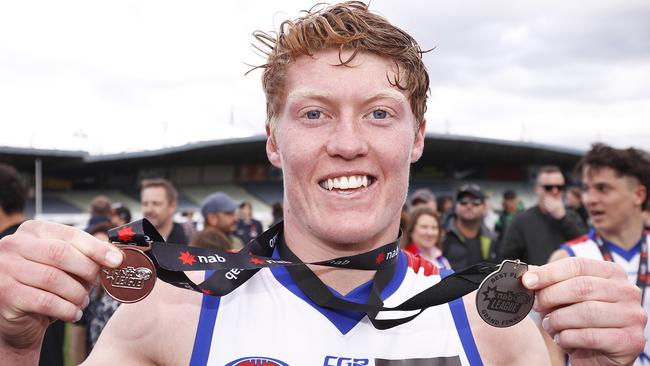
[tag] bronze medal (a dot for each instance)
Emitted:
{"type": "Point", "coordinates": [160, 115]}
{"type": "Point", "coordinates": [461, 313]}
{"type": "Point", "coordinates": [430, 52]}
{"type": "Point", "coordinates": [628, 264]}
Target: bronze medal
{"type": "Point", "coordinates": [133, 280]}
{"type": "Point", "coordinates": [501, 299]}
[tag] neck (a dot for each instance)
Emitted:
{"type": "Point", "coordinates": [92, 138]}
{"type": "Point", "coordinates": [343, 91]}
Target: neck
{"type": "Point", "coordinates": [468, 229]}
{"type": "Point", "coordinates": [627, 236]}
{"type": "Point", "coordinates": [6, 221]}
{"type": "Point", "coordinates": [309, 248]}
{"type": "Point", "coordinates": [166, 229]}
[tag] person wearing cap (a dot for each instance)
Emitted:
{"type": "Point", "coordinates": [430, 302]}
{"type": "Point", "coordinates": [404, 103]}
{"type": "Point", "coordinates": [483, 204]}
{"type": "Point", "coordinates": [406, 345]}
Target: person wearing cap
{"type": "Point", "coordinates": [538, 231]}
{"type": "Point", "coordinates": [423, 196]}
{"type": "Point", "coordinates": [468, 241]}
{"type": "Point", "coordinates": [510, 206]}
{"type": "Point", "coordinates": [219, 213]}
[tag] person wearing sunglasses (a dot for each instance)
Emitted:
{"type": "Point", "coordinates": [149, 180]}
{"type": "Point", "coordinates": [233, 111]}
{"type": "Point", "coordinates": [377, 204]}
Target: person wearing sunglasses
{"type": "Point", "coordinates": [468, 240]}
{"type": "Point", "coordinates": [535, 233]}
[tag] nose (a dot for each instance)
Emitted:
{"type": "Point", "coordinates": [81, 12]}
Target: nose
{"type": "Point", "coordinates": [346, 139]}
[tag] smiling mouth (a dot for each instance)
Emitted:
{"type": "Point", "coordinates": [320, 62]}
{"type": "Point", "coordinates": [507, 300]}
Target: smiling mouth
{"type": "Point", "coordinates": [347, 183]}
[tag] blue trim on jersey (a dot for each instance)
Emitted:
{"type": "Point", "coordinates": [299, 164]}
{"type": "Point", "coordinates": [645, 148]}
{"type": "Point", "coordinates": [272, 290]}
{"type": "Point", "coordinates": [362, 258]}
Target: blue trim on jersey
{"type": "Point", "coordinates": [628, 254]}
{"type": "Point", "coordinates": [568, 250]}
{"type": "Point", "coordinates": [344, 320]}
{"type": "Point", "coordinates": [205, 328]}
{"type": "Point", "coordinates": [457, 308]}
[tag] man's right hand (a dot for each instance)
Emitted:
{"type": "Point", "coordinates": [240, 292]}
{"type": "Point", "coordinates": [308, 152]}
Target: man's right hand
{"type": "Point", "coordinates": [46, 273]}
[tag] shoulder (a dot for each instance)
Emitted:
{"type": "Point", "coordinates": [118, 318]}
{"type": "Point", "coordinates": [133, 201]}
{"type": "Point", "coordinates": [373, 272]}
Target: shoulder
{"type": "Point", "coordinates": [519, 344]}
{"type": "Point", "coordinates": [158, 330]}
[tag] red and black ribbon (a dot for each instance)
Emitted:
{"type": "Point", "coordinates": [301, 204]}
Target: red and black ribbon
{"type": "Point", "coordinates": [231, 270]}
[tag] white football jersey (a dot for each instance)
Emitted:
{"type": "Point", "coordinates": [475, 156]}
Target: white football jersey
{"type": "Point", "coordinates": [269, 321]}
{"type": "Point", "coordinates": [586, 247]}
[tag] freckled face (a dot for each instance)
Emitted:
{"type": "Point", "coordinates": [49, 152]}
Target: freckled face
{"type": "Point", "coordinates": [345, 139]}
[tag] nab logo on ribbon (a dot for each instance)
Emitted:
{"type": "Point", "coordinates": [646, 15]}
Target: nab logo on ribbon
{"type": "Point", "coordinates": [256, 361]}
{"type": "Point", "coordinates": [345, 361]}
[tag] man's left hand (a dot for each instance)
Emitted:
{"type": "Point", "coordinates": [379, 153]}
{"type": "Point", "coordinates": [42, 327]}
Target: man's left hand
{"type": "Point", "coordinates": [591, 310]}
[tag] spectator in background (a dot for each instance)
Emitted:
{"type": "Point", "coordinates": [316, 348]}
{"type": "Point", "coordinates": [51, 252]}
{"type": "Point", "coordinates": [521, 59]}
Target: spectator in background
{"type": "Point", "coordinates": [574, 201]}
{"type": "Point", "coordinates": [277, 212]}
{"type": "Point", "coordinates": [210, 239]}
{"type": "Point", "coordinates": [445, 206]}
{"type": "Point", "coordinates": [538, 231]}
{"type": "Point", "coordinates": [121, 215]}
{"type": "Point", "coordinates": [158, 199]}
{"type": "Point", "coordinates": [247, 227]}
{"type": "Point", "coordinates": [189, 225]}
{"type": "Point", "coordinates": [422, 236]}
{"type": "Point", "coordinates": [491, 217]}
{"type": "Point", "coordinates": [467, 240]}
{"type": "Point", "coordinates": [510, 204]}
{"type": "Point", "coordinates": [100, 212]}
{"type": "Point", "coordinates": [86, 331]}
{"type": "Point", "coordinates": [219, 213]}
{"type": "Point", "coordinates": [423, 196]}
{"type": "Point", "coordinates": [13, 195]}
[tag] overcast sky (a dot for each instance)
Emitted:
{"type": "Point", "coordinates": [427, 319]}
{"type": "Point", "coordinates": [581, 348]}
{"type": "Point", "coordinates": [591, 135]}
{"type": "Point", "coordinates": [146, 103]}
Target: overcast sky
{"type": "Point", "coordinates": [115, 76]}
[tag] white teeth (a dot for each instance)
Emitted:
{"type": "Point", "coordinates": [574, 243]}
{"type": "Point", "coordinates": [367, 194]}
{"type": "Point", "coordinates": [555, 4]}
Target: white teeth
{"type": "Point", "coordinates": [344, 183]}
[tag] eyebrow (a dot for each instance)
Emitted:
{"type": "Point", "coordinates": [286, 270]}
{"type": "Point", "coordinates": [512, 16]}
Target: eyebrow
{"type": "Point", "coordinates": [321, 95]}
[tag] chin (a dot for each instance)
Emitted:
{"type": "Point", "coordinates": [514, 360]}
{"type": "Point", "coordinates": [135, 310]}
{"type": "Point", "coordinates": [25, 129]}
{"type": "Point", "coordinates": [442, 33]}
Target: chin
{"type": "Point", "coordinates": [352, 232]}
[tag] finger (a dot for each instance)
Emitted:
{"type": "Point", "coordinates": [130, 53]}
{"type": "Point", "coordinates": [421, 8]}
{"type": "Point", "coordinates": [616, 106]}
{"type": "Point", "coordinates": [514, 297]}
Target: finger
{"type": "Point", "coordinates": [612, 341]}
{"type": "Point", "coordinates": [593, 314]}
{"type": "Point", "coordinates": [99, 251]}
{"type": "Point", "coordinates": [34, 300]}
{"type": "Point", "coordinates": [51, 279]}
{"type": "Point", "coordinates": [59, 254]}
{"type": "Point", "coordinates": [584, 288]}
{"type": "Point", "coordinates": [566, 268]}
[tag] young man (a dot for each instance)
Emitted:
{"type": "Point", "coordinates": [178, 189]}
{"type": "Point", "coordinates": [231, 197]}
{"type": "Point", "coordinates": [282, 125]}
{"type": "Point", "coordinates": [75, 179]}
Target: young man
{"type": "Point", "coordinates": [615, 192]}
{"type": "Point", "coordinates": [468, 241]}
{"type": "Point", "coordinates": [327, 121]}
{"type": "Point", "coordinates": [158, 199]}
{"type": "Point", "coordinates": [533, 235]}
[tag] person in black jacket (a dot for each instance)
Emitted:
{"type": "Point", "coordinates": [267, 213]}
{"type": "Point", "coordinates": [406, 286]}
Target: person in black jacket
{"type": "Point", "coordinates": [467, 240]}
{"type": "Point", "coordinates": [538, 231]}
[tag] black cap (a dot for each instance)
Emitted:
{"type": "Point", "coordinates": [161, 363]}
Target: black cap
{"type": "Point", "coordinates": [470, 189]}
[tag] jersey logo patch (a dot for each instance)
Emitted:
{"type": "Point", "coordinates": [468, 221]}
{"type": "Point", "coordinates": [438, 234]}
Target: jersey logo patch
{"type": "Point", "coordinates": [256, 361]}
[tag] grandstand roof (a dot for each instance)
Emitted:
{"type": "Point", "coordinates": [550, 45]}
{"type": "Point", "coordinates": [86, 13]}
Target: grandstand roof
{"type": "Point", "coordinates": [438, 148]}
{"type": "Point", "coordinates": [23, 158]}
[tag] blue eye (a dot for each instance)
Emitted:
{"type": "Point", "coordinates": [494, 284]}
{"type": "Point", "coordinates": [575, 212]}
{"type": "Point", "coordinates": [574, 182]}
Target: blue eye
{"type": "Point", "coordinates": [313, 114]}
{"type": "Point", "coordinates": [379, 114]}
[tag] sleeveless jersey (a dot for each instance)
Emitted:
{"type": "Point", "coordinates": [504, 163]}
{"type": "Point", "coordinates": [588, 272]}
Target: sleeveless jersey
{"type": "Point", "coordinates": [586, 247]}
{"type": "Point", "coordinates": [269, 321]}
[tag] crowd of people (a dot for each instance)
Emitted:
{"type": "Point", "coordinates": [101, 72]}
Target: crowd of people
{"type": "Point", "coordinates": [346, 95]}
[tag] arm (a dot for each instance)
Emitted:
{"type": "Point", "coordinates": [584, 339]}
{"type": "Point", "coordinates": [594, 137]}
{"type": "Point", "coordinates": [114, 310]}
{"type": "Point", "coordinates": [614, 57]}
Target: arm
{"type": "Point", "coordinates": [521, 344]}
{"type": "Point", "coordinates": [158, 330]}
{"type": "Point", "coordinates": [46, 270]}
{"type": "Point", "coordinates": [590, 309]}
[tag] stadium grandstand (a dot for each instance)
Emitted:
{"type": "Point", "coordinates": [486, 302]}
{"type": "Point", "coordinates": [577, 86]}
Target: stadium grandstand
{"type": "Point", "coordinates": [62, 183]}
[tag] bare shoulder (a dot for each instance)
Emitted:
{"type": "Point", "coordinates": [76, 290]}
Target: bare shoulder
{"type": "Point", "coordinates": [158, 330]}
{"type": "Point", "coordinates": [521, 344]}
{"type": "Point", "coordinates": [558, 254]}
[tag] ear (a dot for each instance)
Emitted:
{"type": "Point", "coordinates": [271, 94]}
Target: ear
{"type": "Point", "coordinates": [272, 151]}
{"type": "Point", "coordinates": [418, 145]}
{"type": "Point", "coordinates": [641, 194]}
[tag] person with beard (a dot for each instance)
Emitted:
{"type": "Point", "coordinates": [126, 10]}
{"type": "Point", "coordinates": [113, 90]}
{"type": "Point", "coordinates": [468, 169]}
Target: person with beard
{"type": "Point", "coordinates": [158, 199]}
{"type": "Point", "coordinates": [467, 240]}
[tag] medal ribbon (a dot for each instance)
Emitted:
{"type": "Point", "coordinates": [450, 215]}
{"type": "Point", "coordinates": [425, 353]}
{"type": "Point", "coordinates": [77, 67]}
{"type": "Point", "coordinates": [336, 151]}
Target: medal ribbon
{"type": "Point", "coordinates": [642, 273]}
{"type": "Point", "coordinates": [231, 270]}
